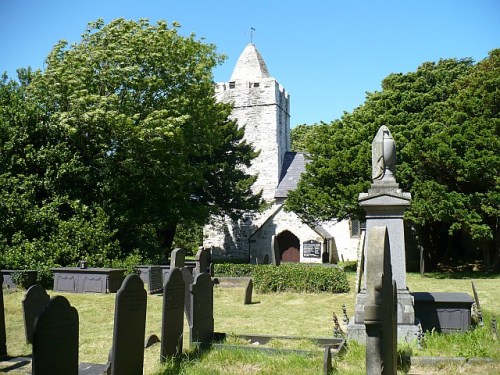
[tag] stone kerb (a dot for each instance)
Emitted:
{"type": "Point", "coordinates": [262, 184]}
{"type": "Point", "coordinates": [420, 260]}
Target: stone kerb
{"type": "Point", "coordinates": [127, 353]}
{"type": "Point", "coordinates": [55, 339]}
{"type": "Point", "coordinates": [34, 302]}
{"type": "Point", "coordinates": [380, 308]}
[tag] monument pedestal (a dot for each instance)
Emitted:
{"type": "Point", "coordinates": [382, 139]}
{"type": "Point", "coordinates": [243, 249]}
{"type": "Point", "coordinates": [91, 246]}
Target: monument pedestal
{"type": "Point", "coordinates": [407, 328]}
{"type": "Point", "coordinates": [385, 204]}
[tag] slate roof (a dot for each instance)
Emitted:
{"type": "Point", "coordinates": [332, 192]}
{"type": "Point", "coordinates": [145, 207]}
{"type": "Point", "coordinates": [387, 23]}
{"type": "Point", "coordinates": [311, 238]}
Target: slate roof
{"type": "Point", "coordinates": [294, 164]}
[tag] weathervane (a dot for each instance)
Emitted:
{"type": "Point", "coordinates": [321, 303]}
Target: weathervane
{"type": "Point", "coordinates": [251, 34]}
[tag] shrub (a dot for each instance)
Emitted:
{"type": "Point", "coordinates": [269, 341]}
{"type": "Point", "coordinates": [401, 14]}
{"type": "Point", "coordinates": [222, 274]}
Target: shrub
{"type": "Point", "coordinates": [233, 270]}
{"type": "Point", "coordinates": [290, 277]}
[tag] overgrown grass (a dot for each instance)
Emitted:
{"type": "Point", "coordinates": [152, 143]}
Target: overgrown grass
{"type": "Point", "coordinates": [292, 314]}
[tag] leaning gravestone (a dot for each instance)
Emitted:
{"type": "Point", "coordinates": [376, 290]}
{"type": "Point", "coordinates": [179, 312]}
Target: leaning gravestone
{"type": "Point", "coordinates": [380, 307]}
{"type": "Point", "coordinates": [155, 280]}
{"type": "Point", "coordinates": [127, 353]}
{"type": "Point", "coordinates": [35, 301]}
{"type": "Point", "coordinates": [202, 310]}
{"type": "Point", "coordinates": [248, 292]}
{"type": "Point", "coordinates": [55, 339]}
{"type": "Point", "coordinates": [3, 336]}
{"type": "Point", "coordinates": [173, 315]}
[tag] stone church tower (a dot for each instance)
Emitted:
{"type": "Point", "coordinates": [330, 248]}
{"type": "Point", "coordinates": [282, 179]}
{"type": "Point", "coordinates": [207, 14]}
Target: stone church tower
{"type": "Point", "coordinates": [262, 107]}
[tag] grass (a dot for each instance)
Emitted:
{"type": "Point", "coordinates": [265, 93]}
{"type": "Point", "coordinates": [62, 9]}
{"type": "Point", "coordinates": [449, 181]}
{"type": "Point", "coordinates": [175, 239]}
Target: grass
{"type": "Point", "coordinates": [284, 314]}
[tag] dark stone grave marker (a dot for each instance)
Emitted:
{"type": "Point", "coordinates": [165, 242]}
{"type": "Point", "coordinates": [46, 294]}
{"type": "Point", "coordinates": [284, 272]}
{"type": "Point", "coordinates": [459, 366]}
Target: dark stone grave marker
{"type": "Point", "coordinates": [3, 336]}
{"type": "Point", "coordinates": [173, 315]}
{"type": "Point", "coordinates": [55, 339]}
{"type": "Point", "coordinates": [155, 280]}
{"type": "Point", "coordinates": [127, 353]}
{"type": "Point", "coordinates": [248, 292]}
{"type": "Point", "coordinates": [202, 310]}
{"type": "Point", "coordinates": [35, 301]}
{"type": "Point", "coordinates": [187, 276]}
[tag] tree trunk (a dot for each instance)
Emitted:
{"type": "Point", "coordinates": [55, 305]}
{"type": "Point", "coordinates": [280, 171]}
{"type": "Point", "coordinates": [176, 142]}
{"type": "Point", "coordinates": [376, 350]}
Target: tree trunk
{"type": "Point", "coordinates": [165, 236]}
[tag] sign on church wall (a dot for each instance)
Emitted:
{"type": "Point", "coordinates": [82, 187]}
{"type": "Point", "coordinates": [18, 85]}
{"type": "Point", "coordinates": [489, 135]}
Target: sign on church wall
{"type": "Point", "coordinates": [311, 249]}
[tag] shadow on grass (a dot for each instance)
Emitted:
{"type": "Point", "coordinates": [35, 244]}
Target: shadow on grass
{"type": "Point", "coordinates": [176, 365]}
{"type": "Point", "coordinates": [462, 275]}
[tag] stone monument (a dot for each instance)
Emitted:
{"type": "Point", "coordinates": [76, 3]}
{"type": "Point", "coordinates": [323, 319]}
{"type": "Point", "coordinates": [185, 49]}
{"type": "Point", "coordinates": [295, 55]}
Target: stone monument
{"type": "Point", "coordinates": [384, 205]}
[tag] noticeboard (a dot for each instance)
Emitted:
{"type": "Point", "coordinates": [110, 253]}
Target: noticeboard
{"type": "Point", "coordinates": [311, 249]}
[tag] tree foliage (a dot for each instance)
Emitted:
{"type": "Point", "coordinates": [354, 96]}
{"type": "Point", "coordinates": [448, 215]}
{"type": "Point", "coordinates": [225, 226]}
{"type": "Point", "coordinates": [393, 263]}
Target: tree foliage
{"type": "Point", "coordinates": [120, 134]}
{"type": "Point", "coordinates": [445, 121]}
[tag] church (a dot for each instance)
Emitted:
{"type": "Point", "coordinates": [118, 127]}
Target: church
{"type": "Point", "coordinates": [262, 107]}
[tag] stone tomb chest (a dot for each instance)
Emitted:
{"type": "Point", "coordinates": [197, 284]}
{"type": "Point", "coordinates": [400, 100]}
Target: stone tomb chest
{"type": "Point", "coordinates": [88, 280]}
{"type": "Point", "coordinates": [445, 312]}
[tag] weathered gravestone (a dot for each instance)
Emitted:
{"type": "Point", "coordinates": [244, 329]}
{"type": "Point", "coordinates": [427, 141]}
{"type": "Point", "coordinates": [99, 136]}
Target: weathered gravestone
{"type": "Point", "coordinates": [177, 258]}
{"type": "Point", "coordinates": [155, 280]}
{"type": "Point", "coordinates": [3, 336]}
{"type": "Point", "coordinates": [173, 315]}
{"type": "Point", "coordinates": [202, 261]}
{"type": "Point", "coordinates": [380, 307]}
{"type": "Point", "coordinates": [35, 301]}
{"type": "Point", "coordinates": [201, 329]}
{"type": "Point", "coordinates": [127, 353]}
{"type": "Point", "coordinates": [248, 292]}
{"type": "Point", "coordinates": [55, 339]}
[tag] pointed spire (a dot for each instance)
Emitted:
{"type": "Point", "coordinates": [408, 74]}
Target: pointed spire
{"type": "Point", "coordinates": [250, 65]}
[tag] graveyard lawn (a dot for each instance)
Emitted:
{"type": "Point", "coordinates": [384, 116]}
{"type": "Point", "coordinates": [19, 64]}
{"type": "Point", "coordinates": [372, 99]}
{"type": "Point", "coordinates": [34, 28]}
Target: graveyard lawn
{"type": "Point", "coordinates": [283, 314]}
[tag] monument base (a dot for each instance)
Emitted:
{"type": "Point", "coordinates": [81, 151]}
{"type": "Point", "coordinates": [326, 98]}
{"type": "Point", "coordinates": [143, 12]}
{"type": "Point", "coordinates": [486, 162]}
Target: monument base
{"type": "Point", "coordinates": [357, 332]}
{"type": "Point", "coordinates": [407, 328]}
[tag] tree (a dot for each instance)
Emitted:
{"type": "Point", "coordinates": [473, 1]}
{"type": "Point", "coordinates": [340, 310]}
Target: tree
{"type": "Point", "coordinates": [131, 111]}
{"type": "Point", "coordinates": [444, 118]}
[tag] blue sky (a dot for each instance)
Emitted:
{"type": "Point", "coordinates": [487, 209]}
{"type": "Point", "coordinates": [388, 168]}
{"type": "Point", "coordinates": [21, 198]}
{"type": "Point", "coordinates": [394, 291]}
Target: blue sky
{"type": "Point", "coordinates": [327, 54]}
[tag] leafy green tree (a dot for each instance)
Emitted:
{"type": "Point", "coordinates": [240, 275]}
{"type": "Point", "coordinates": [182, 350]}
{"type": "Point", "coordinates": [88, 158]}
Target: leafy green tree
{"type": "Point", "coordinates": [125, 123]}
{"type": "Point", "coordinates": [42, 227]}
{"type": "Point", "coordinates": [444, 118]}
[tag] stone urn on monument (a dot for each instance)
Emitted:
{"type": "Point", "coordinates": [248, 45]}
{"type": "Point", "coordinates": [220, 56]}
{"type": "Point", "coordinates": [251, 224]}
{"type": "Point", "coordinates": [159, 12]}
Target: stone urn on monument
{"type": "Point", "coordinates": [384, 205]}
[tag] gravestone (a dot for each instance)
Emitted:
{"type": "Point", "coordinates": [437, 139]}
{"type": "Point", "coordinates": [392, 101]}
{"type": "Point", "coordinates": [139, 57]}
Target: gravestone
{"type": "Point", "coordinates": [35, 301]}
{"type": "Point", "coordinates": [380, 307]}
{"type": "Point", "coordinates": [127, 352]}
{"type": "Point", "coordinates": [202, 310]}
{"type": "Point", "coordinates": [202, 260]}
{"type": "Point", "coordinates": [173, 315]}
{"type": "Point", "coordinates": [177, 258]}
{"type": "Point", "coordinates": [155, 280]}
{"type": "Point", "coordinates": [3, 336]}
{"type": "Point", "coordinates": [385, 204]}
{"type": "Point", "coordinates": [55, 339]}
{"type": "Point", "coordinates": [248, 292]}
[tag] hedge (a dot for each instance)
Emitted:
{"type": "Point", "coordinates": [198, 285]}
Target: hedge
{"type": "Point", "coordinates": [291, 277]}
